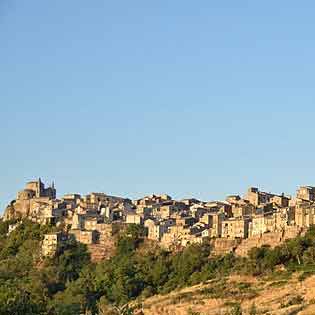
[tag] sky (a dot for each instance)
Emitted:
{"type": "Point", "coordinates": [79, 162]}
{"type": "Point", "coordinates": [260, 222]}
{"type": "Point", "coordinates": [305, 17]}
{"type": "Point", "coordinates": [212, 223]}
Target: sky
{"type": "Point", "coordinates": [190, 98]}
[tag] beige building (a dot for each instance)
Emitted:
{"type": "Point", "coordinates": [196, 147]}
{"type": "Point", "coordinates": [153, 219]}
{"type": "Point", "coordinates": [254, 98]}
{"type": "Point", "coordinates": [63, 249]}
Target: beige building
{"type": "Point", "coordinates": [235, 228]}
{"type": "Point", "coordinates": [144, 211]}
{"type": "Point", "coordinates": [156, 230]}
{"type": "Point", "coordinates": [304, 215]}
{"type": "Point", "coordinates": [133, 218]}
{"type": "Point", "coordinates": [166, 211]}
{"type": "Point", "coordinates": [306, 193]}
{"type": "Point", "coordinates": [52, 243]}
{"type": "Point", "coordinates": [256, 197]}
{"type": "Point", "coordinates": [275, 221]}
{"type": "Point", "coordinates": [26, 203]}
{"type": "Point", "coordinates": [233, 199]}
{"type": "Point", "coordinates": [90, 223]}
{"type": "Point", "coordinates": [77, 221]}
{"type": "Point", "coordinates": [184, 221]}
{"type": "Point", "coordinates": [84, 236]}
{"type": "Point", "coordinates": [214, 223]}
{"type": "Point", "coordinates": [280, 201]}
{"type": "Point", "coordinates": [242, 209]}
{"type": "Point", "coordinates": [152, 200]}
{"type": "Point", "coordinates": [198, 211]}
{"type": "Point", "coordinates": [178, 236]}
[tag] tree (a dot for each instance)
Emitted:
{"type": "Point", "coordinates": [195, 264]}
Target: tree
{"type": "Point", "coordinates": [309, 256]}
{"type": "Point", "coordinates": [16, 301]}
{"type": "Point", "coordinates": [70, 259]}
{"type": "Point", "coordinates": [296, 247]}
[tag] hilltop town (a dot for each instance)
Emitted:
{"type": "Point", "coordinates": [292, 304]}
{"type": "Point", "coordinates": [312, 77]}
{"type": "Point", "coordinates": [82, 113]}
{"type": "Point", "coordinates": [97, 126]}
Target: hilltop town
{"type": "Point", "coordinates": [235, 224]}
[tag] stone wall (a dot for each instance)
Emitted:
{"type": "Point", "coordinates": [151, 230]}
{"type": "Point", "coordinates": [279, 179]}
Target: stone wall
{"type": "Point", "coordinates": [223, 246]}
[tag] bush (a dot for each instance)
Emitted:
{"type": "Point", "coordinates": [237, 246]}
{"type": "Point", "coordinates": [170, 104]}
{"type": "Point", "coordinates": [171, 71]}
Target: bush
{"type": "Point", "coordinates": [236, 310]}
{"type": "Point", "coordinates": [253, 310]}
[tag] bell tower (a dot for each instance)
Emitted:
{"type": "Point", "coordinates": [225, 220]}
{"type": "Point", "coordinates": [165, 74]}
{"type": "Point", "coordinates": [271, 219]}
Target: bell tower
{"type": "Point", "coordinates": [39, 188]}
{"type": "Point", "coordinates": [53, 190]}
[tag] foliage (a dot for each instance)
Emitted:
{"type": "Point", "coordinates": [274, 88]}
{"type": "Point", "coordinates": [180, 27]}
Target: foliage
{"type": "Point", "coordinates": [295, 254]}
{"type": "Point", "coordinates": [70, 283]}
{"type": "Point", "coordinates": [253, 310]}
{"type": "Point", "coordinates": [236, 310]}
{"type": "Point", "coordinates": [191, 312]}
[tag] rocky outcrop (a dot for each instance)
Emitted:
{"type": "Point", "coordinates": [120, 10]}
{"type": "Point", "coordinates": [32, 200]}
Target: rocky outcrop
{"type": "Point", "coordinates": [12, 212]}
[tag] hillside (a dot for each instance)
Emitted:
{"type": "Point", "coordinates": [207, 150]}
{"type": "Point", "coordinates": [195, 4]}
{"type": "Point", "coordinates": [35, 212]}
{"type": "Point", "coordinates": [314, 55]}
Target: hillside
{"type": "Point", "coordinates": [139, 277]}
{"type": "Point", "coordinates": [273, 295]}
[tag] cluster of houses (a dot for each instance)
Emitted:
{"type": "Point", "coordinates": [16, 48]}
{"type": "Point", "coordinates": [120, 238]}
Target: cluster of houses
{"type": "Point", "coordinates": [96, 217]}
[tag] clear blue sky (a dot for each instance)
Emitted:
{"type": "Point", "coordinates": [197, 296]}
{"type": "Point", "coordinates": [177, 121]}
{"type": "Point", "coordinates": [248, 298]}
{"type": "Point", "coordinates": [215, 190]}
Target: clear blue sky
{"type": "Point", "coordinates": [192, 98]}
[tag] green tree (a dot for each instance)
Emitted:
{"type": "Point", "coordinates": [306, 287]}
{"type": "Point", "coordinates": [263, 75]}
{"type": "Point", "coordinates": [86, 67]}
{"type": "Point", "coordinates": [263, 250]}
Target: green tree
{"type": "Point", "coordinates": [309, 256]}
{"type": "Point", "coordinates": [70, 260]}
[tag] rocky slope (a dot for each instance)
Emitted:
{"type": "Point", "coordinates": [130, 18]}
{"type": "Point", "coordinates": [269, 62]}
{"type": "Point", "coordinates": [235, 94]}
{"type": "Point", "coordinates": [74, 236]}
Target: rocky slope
{"type": "Point", "coordinates": [279, 294]}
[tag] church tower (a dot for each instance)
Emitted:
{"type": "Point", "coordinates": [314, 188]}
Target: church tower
{"type": "Point", "coordinates": [39, 188]}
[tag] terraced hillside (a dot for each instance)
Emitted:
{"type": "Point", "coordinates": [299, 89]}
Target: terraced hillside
{"type": "Point", "coordinates": [277, 294]}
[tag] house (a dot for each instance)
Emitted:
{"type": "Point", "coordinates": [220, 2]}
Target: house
{"type": "Point", "coordinates": [306, 193]}
{"type": "Point", "coordinates": [133, 218]}
{"type": "Point", "coordinates": [235, 228]}
{"type": "Point", "coordinates": [214, 223]}
{"type": "Point", "coordinates": [280, 201]}
{"type": "Point", "coordinates": [156, 229]}
{"type": "Point", "coordinates": [52, 242]}
{"type": "Point", "coordinates": [304, 214]}
{"type": "Point", "coordinates": [256, 197]}
{"type": "Point", "coordinates": [84, 236]}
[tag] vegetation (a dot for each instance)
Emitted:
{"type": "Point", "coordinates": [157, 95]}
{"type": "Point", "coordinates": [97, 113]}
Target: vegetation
{"type": "Point", "coordinates": [70, 283]}
{"type": "Point", "coordinates": [295, 255]}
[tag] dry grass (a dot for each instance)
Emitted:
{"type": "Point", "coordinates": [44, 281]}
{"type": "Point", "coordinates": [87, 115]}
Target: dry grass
{"type": "Point", "coordinates": [274, 296]}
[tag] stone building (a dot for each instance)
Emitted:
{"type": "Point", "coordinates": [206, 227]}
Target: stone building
{"type": "Point", "coordinates": [198, 211]}
{"type": "Point", "coordinates": [190, 202]}
{"type": "Point", "coordinates": [77, 221]}
{"type": "Point", "coordinates": [185, 221]}
{"type": "Point", "coordinates": [256, 197]}
{"type": "Point", "coordinates": [280, 201]}
{"type": "Point", "coordinates": [273, 221]}
{"type": "Point", "coordinates": [214, 223]}
{"type": "Point", "coordinates": [233, 199]}
{"type": "Point", "coordinates": [52, 243]}
{"type": "Point", "coordinates": [152, 200]}
{"type": "Point", "coordinates": [306, 193]}
{"type": "Point", "coordinates": [177, 236]}
{"type": "Point", "coordinates": [167, 210]}
{"type": "Point", "coordinates": [304, 214]}
{"type": "Point", "coordinates": [242, 209]}
{"type": "Point", "coordinates": [133, 218]}
{"type": "Point", "coordinates": [90, 222]}
{"type": "Point", "coordinates": [235, 228]}
{"type": "Point", "coordinates": [144, 211]}
{"type": "Point", "coordinates": [155, 230]}
{"type": "Point", "coordinates": [26, 203]}
{"type": "Point", "coordinates": [105, 232]}
{"type": "Point", "coordinates": [37, 188]}
{"type": "Point", "coordinates": [85, 236]}
{"type": "Point", "coordinates": [219, 206]}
